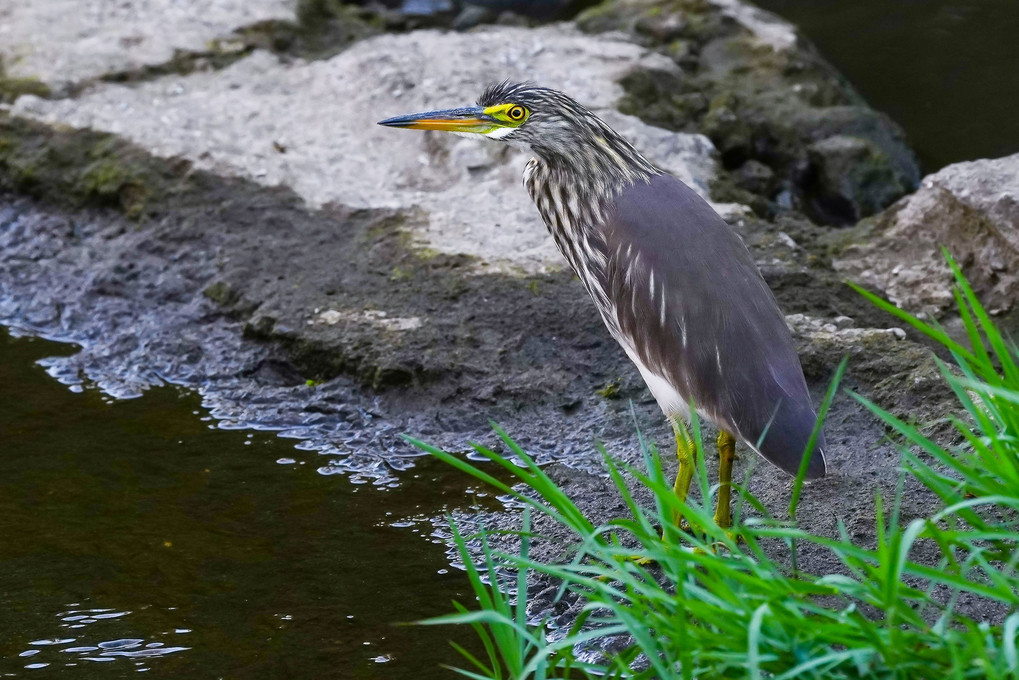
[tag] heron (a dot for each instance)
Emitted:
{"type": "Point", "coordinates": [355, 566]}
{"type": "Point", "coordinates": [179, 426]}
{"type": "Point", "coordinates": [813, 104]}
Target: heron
{"type": "Point", "coordinates": [674, 284]}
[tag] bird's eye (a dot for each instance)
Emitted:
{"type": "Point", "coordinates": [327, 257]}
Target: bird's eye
{"type": "Point", "coordinates": [516, 113]}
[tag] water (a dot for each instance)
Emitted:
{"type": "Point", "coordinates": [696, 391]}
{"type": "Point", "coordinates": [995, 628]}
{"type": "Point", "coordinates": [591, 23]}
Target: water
{"type": "Point", "coordinates": [136, 537]}
{"type": "Point", "coordinates": [943, 69]}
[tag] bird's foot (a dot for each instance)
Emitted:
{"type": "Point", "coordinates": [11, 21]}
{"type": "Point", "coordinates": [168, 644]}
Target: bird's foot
{"type": "Point", "coordinates": [643, 562]}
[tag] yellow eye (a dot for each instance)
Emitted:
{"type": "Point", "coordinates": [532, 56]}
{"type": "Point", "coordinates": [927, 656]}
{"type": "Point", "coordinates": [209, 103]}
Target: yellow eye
{"type": "Point", "coordinates": [516, 113]}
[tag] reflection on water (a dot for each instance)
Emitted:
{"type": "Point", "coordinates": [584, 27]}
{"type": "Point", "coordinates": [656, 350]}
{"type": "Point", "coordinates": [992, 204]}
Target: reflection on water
{"type": "Point", "coordinates": [135, 536]}
{"type": "Point", "coordinates": [70, 651]}
{"type": "Point", "coordinates": [943, 69]}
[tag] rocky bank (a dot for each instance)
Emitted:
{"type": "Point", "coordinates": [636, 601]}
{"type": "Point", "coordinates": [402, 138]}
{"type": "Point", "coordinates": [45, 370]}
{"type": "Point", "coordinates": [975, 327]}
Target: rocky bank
{"type": "Point", "coordinates": [205, 200]}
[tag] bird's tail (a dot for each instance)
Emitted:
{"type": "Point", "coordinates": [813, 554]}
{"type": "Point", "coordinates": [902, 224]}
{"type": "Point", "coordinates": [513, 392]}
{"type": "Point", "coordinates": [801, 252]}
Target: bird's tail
{"type": "Point", "coordinates": [786, 437]}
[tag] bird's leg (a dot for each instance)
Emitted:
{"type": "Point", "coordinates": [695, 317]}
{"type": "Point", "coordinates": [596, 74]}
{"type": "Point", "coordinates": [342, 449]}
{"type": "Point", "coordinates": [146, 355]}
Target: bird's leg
{"type": "Point", "coordinates": [726, 454]}
{"type": "Point", "coordinates": [685, 452]}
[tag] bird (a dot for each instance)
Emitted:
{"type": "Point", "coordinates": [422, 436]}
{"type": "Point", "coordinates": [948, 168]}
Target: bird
{"type": "Point", "coordinates": [675, 286]}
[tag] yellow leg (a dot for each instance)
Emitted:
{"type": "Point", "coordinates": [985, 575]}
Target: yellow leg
{"type": "Point", "coordinates": [685, 452]}
{"type": "Point", "coordinates": [726, 454]}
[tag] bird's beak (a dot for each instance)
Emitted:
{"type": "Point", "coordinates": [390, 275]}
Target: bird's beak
{"type": "Point", "coordinates": [468, 119]}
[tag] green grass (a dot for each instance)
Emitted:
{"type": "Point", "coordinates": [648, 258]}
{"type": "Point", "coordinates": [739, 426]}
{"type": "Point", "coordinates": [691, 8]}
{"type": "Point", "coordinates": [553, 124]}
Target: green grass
{"type": "Point", "coordinates": [717, 604]}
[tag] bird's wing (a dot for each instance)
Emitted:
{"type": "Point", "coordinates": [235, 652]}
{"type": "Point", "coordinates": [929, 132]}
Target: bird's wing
{"type": "Point", "coordinates": [686, 289]}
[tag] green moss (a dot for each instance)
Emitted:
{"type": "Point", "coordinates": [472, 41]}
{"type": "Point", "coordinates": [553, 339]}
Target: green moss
{"type": "Point", "coordinates": [327, 27]}
{"type": "Point", "coordinates": [103, 178]}
{"type": "Point", "coordinates": [661, 98]}
{"type": "Point", "coordinates": [21, 170]}
{"type": "Point", "coordinates": [77, 168]}
{"type": "Point", "coordinates": [610, 391]}
{"type": "Point", "coordinates": [12, 88]}
{"type": "Point", "coordinates": [391, 376]}
{"type": "Point", "coordinates": [112, 182]}
{"type": "Point", "coordinates": [311, 12]}
{"type": "Point", "coordinates": [723, 189]}
{"type": "Point", "coordinates": [401, 274]}
{"type": "Point", "coordinates": [221, 293]}
{"type": "Point", "coordinates": [621, 15]}
{"type": "Point", "coordinates": [426, 253]}
{"type": "Point", "coordinates": [600, 18]}
{"type": "Point", "coordinates": [226, 46]}
{"type": "Point", "coordinates": [384, 230]}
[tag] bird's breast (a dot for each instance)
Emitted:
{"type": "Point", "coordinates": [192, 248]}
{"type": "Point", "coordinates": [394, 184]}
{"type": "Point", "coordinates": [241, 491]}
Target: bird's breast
{"type": "Point", "coordinates": [574, 222]}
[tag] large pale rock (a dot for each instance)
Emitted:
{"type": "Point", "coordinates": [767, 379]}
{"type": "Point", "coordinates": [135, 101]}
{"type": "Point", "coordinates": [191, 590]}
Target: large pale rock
{"type": "Point", "coordinates": [312, 127]}
{"type": "Point", "coordinates": [61, 42]}
{"type": "Point", "coordinates": [970, 208]}
{"type": "Point", "coordinates": [766, 27]}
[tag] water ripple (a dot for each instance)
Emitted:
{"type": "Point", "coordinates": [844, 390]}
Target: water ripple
{"type": "Point", "coordinates": [67, 651]}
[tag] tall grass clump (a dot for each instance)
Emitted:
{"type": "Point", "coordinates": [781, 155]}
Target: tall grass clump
{"type": "Point", "coordinates": [703, 602]}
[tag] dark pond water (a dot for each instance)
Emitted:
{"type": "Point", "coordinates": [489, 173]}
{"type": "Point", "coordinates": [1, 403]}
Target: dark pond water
{"type": "Point", "coordinates": [946, 70]}
{"type": "Point", "coordinates": [135, 537]}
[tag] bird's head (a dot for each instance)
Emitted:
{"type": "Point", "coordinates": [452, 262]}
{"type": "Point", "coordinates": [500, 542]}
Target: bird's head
{"type": "Point", "coordinates": [522, 113]}
{"type": "Point", "coordinates": [553, 125]}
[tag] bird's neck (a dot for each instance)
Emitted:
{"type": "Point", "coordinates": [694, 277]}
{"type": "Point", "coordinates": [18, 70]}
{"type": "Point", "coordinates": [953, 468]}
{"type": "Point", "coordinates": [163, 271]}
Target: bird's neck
{"type": "Point", "coordinates": [573, 185]}
{"type": "Point", "coordinates": [595, 159]}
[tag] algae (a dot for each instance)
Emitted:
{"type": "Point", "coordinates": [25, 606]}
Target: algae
{"type": "Point", "coordinates": [12, 88]}
{"type": "Point", "coordinates": [221, 293]}
{"type": "Point", "coordinates": [76, 169]}
{"type": "Point", "coordinates": [610, 390]}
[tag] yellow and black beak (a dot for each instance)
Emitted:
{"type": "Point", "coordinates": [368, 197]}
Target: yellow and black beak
{"type": "Point", "coordinates": [467, 119]}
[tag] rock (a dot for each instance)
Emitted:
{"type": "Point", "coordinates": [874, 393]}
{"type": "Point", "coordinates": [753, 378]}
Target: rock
{"type": "Point", "coordinates": [63, 42]}
{"type": "Point", "coordinates": [471, 16]}
{"type": "Point", "coordinates": [762, 93]}
{"type": "Point", "coordinates": [853, 178]}
{"type": "Point", "coordinates": [221, 293]}
{"type": "Point", "coordinates": [756, 177]}
{"type": "Point", "coordinates": [767, 28]}
{"type": "Point", "coordinates": [323, 114]}
{"type": "Point", "coordinates": [970, 208]}
{"type": "Point", "coordinates": [474, 12]}
{"type": "Point", "coordinates": [879, 143]}
{"type": "Point", "coordinates": [899, 375]}
{"type": "Point", "coordinates": [12, 88]}
{"type": "Point", "coordinates": [537, 9]}
{"type": "Point", "coordinates": [663, 21]}
{"type": "Point", "coordinates": [426, 7]}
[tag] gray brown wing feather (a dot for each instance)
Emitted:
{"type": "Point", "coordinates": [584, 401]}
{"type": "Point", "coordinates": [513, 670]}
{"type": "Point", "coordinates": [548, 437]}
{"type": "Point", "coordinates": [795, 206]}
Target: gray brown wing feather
{"type": "Point", "coordinates": [684, 286]}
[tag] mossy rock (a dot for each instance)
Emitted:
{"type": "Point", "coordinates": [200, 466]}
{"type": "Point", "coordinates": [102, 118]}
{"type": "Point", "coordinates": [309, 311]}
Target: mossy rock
{"type": "Point", "coordinates": [758, 104]}
{"type": "Point", "coordinates": [79, 168]}
{"type": "Point", "coordinates": [221, 293]}
{"type": "Point", "coordinates": [325, 28]}
{"type": "Point", "coordinates": [852, 178]}
{"type": "Point", "coordinates": [648, 18]}
{"type": "Point", "coordinates": [12, 88]}
{"type": "Point", "coordinates": [611, 390]}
